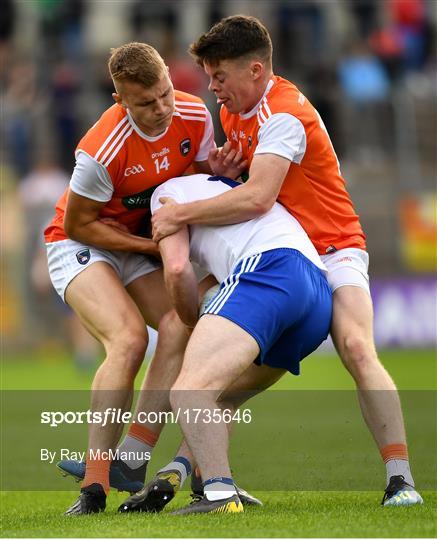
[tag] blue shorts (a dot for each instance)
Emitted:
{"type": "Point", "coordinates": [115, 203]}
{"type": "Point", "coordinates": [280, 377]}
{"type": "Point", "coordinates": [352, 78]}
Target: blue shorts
{"type": "Point", "coordinates": [282, 300]}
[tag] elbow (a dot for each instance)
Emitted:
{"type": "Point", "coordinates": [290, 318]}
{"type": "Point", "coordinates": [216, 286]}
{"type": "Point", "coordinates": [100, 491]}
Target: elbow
{"type": "Point", "coordinates": [176, 270]}
{"type": "Point", "coordinates": [261, 205]}
{"type": "Point", "coordinates": [71, 230]}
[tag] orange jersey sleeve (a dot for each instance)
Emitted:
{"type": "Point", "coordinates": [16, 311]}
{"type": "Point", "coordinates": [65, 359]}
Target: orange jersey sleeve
{"type": "Point", "coordinates": [135, 163]}
{"type": "Point", "coordinates": [313, 190]}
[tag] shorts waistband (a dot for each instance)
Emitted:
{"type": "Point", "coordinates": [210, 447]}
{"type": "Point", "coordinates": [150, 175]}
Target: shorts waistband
{"type": "Point", "coordinates": [296, 253]}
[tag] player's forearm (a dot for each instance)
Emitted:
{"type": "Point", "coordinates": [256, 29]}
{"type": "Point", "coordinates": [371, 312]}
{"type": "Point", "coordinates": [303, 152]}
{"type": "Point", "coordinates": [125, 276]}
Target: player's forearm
{"type": "Point", "coordinates": [182, 287]}
{"type": "Point", "coordinates": [234, 206]}
{"type": "Point", "coordinates": [102, 236]}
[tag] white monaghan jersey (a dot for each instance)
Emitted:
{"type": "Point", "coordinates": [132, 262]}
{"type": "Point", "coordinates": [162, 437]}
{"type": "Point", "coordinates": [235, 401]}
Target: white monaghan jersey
{"type": "Point", "coordinates": [219, 249]}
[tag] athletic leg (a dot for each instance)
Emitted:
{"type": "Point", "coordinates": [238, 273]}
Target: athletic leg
{"type": "Point", "coordinates": [352, 333]}
{"type": "Point", "coordinates": [99, 298]}
{"type": "Point", "coordinates": [219, 351]}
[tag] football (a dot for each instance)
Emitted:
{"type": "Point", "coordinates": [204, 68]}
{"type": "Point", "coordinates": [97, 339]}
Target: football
{"type": "Point", "coordinates": [209, 295]}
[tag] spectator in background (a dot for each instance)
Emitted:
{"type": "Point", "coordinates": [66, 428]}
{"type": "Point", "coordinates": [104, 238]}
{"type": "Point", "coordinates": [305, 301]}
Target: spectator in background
{"type": "Point", "coordinates": [409, 19]}
{"type": "Point", "coordinates": [403, 41]}
{"type": "Point", "coordinates": [61, 25]}
{"type": "Point", "coordinates": [20, 100]}
{"type": "Point", "coordinates": [365, 13]}
{"type": "Point", "coordinates": [362, 76]}
{"type": "Point", "coordinates": [65, 90]}
{"type": "Point", "coordinates": [7, 25]}
{"type": "Point", "coordinates": [185, 75]}
{"type": "Point", "coordinates": [296, 21]}
{"type": "Point", "coordinates": [366, 87]}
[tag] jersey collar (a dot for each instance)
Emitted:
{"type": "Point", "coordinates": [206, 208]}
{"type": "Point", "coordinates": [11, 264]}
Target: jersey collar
{"type": "Point", "coordinates": [142, 134]}
{"type": "Point", "coordinates": [253, 111]}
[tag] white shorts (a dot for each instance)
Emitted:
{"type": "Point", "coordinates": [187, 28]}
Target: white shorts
{"type": "Point", "coordinates": [347, 266]}
{"type": "Point", "coordinates": [67, 259]}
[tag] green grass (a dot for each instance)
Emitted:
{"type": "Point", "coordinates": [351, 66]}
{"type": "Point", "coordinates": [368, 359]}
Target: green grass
{"type": "Point", "coordinates": [410, 369]}
{"type": "Point", "coordinates": [285, 514]}
{"type": "Point", "coordinates": [292, 514]}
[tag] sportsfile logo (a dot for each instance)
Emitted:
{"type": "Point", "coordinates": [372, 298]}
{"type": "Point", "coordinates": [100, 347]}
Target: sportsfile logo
{"type": "Point", "coordinates": [112, 415]}
{"type": "Point", "coordinates": [135, 169]}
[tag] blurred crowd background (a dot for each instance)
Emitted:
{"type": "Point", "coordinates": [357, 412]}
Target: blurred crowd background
{"type": "Point", "coordinates": [368, 66]}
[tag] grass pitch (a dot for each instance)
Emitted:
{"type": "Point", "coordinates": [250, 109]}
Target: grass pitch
{"type": "Point", "coordinates": [292, 514]}
{"type": "Point", "coordinates": [285, 514]}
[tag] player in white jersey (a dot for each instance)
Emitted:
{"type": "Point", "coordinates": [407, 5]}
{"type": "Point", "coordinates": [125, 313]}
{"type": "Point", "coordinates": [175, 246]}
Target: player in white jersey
{"type": "Point", "coordinates": [273, 308]}
{"type": "Point", "coordinates": [97, 253]}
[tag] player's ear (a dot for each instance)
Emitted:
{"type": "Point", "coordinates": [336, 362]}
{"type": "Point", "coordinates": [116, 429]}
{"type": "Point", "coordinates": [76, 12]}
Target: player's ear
{"type": "Point", "coordinates": [256, 70]}
{"type": "Point", "coordinates": [117, 99]}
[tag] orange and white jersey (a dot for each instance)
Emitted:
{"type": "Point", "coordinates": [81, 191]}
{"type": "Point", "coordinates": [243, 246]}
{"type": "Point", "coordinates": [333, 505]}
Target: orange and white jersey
{"type": "Point", "coordinates": [119, 165]}
{"type": "Point", "coordinates": [285, 123]}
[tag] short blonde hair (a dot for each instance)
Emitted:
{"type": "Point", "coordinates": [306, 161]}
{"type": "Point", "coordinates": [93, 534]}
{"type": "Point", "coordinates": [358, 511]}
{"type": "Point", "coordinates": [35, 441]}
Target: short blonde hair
{"type": "Point", "coordinates": [136, 62]}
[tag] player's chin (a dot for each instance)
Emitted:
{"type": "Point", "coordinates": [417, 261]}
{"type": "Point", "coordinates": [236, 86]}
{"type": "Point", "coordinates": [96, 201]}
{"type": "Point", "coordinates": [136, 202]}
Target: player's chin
{"type": "Point", "coordinates": [233, 109]}
{"type": "Point", "coordinates": [165, 121]}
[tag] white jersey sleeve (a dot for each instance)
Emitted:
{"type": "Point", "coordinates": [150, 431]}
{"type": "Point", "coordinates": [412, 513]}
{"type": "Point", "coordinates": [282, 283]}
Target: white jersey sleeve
{"type": "Point", "coordinates": [91, 179]}
{"type": "Point", "coordinates": [284, 135]}
{"type": "Point", "coordinates": [207, 142]}
{"type": "Point", "coordinates": [168, 189]}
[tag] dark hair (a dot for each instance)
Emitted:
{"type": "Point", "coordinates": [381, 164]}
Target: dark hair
{"type": "Point", "coordinates": [233, 37]}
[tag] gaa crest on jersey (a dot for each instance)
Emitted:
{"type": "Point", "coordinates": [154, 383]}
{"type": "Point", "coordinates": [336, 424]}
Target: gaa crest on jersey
{"type": "Point", "coordinates": [83, 256]}
{"type": "Point", "coordinates": [185, 146]}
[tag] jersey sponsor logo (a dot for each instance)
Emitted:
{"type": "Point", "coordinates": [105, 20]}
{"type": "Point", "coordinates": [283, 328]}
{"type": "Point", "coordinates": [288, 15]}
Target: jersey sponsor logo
{"type": "Point", "coordinates": [161, 153]}
{"type": "Point", "coordinates": [185, 146]}
{"type": "Point", "coordinates": [139, 200]}
{"type": "Point", "coordinates": [135, 169]}
{"type": "Point", "coordinates": [83, 256]}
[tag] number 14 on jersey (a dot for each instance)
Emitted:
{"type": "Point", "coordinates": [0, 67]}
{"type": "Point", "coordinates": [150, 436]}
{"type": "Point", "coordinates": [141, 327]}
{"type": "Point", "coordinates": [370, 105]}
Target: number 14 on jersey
{"type": "Point", "coordinates": [164, 164]}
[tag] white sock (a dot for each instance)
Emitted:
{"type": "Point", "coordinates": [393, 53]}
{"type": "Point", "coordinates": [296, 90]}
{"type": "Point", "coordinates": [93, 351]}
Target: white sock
{"type": "Point", "coordinates": [138, 452]}
{"type": "Point", "coordinates": [396, 467]}
{"type": "Point", "coordinates": [219, 488]}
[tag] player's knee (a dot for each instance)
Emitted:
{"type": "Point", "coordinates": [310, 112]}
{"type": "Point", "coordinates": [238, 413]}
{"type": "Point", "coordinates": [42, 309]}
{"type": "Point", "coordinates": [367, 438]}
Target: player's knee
{"type": "Point", "coordinates": [170, 324]}
{"type": "Point", "coordinates": [130, 349]}
{"type": "Point", "coordinates": [172, 333]}
{"type": "Point", "coordinates": [185, 390]}
{"type": "Point", "coordinates": [359, 355]}
{"type": "Point", "coordinates": [176, 269]}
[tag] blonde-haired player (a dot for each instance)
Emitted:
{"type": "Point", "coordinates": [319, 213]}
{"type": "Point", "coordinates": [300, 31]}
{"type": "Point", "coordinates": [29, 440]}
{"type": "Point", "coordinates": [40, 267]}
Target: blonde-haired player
{"type": "Point", "coordinates": [99, 261]}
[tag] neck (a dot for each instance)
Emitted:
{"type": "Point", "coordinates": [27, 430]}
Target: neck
{"type": "Point", "coordinates": [260, 89]}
